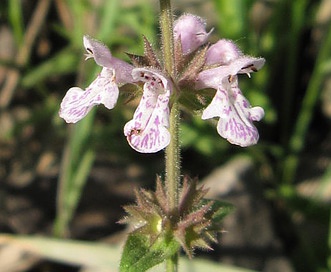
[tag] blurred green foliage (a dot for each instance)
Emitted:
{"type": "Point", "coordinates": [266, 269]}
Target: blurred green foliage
{"type": "Point", "coordinates": [293, 36]}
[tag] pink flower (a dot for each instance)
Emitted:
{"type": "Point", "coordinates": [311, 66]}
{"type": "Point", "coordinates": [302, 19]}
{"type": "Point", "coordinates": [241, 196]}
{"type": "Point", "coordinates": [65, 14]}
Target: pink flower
{"type": "Point", "coordinates": [148, 131]}
{"type": "Point", "coordinates": [103, 90]}
{"type": "Point", "coordinates": [235, 113]}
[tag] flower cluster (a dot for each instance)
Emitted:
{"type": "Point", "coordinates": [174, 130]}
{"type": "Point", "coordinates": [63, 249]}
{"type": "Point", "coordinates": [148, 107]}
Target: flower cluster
{"type": "Point", "coordinates": [199, 66]}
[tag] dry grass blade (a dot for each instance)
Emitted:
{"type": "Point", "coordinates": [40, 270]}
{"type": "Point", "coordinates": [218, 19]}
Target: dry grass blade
{"type": "Point", "coordinates": [24, 52]}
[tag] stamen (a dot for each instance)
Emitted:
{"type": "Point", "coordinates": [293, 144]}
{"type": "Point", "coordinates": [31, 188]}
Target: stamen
{"type": "Point", "coordinates": [250, 66]}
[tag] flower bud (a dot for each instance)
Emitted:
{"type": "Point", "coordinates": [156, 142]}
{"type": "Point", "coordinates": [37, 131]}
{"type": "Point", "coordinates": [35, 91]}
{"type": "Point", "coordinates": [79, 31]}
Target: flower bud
{"type": "Point", "coordinates": [222, 52]}
{"type": "Point", "coordinates": [191, 30]}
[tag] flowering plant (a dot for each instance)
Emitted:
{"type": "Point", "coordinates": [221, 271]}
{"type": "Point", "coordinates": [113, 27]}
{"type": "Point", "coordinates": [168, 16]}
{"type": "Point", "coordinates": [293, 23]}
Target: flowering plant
{"type": "Point", "coordinates": [174, 215]}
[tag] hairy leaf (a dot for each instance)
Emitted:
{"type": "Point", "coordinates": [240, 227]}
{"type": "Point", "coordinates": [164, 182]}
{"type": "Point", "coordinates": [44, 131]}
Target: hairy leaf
{"type": "Point", "coordinates": [139, 255]}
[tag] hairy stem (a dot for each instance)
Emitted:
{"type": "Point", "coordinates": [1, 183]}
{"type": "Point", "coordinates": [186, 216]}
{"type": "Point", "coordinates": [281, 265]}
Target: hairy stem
{"type": "Point", "coordinates": [173, 159]}
{"type": "Point", "coordinates": [172, 164]}
{"type": "Point", "coordinates": [172, 179]}
{"type": "Point", "coordinates": [166, 25]}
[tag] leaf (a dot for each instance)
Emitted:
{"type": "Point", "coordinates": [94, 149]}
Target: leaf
{"type": "Point", "coordinates": [15, 16]}
{"type": "Point", "coordinates": [77, 161]}
{"type": "Point", "coordinates": [139, 255]}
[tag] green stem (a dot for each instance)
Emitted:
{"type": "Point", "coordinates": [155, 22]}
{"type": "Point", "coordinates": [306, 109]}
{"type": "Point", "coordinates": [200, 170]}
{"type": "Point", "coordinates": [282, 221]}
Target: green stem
{"type": "Point", "coordinates": [172, 179]}
{"type": "Point", "coordinates": [172, 164]}
{"type": "Point", "coordinates": [166, 25]}
{"type": "Point", "coordinates": [173, 159]}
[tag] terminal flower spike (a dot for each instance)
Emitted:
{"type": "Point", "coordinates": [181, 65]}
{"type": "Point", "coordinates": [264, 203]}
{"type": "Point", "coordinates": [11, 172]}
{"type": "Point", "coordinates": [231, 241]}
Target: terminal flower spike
{"type": "Point", "coordinates": [198, 65]}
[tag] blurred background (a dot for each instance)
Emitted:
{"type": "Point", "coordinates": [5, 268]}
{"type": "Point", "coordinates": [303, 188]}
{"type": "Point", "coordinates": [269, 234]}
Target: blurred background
{"type": "Point", "coordinates": [71, 181]}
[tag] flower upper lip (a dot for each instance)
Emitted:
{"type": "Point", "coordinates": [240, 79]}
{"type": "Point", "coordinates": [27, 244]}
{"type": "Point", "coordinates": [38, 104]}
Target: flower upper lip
{"type": "Point", "coordinates": [212, 77]}
{"type": "Point", "coordinates": [103, 57]}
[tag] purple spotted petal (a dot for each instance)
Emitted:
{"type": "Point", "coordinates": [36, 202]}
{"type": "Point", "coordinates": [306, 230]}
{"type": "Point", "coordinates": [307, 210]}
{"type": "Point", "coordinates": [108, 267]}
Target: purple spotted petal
{"type": "Point", "coordinates": [77, 102]}
{"type": "Point", "coordinates": [147, 132]}
{"type": "Point", "coordinates": [192, 32]}
{"type": "Point", "coordinates": [153, 138]}
{"type": "Point", "coordinates": [235, 114]}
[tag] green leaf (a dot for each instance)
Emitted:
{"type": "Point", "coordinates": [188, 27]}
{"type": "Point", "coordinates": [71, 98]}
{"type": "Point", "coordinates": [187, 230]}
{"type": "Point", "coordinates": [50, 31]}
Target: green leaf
{"type": "Point", "coordinates": [15, 15]}
{"type": "Point", "coordinates": [139, 255]}
{"type": "Point", "coordinates": [77, 161]}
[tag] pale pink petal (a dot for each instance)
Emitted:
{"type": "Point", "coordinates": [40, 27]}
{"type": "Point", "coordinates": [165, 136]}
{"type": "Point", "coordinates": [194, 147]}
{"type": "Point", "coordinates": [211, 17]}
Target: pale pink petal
{"type": "Point", "coordinates": [98, 51]}
{"type": "Point", "coordinates": [222, 52]}
{"type": "Point", "coordinates": [103, 57]}
{"type": "Point", "coordinates": [256, 113]}
{"type": "Point", "coordinates": [147, 132]}
{"type": "Point", "coordinates": [152, 138]}
{"type": "Point", "coordinates": [212, 78]}
{"type": "Point", "coordinates": [235, 114]}
{"type": "Point", "coordinates": [77, 102]}
{"type": "Point", "coordinates": [217, 107]}
{"type": "Point", "coordinates": [246, 65]}
{"type": "Point", "coordinates": [191, 30]}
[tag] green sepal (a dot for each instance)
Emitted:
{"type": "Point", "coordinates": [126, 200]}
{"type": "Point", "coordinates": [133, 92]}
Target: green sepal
{"type": "Point", "coordinates": [139, 255]}
{"type": "Point", "coordinates": [218, 210]}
